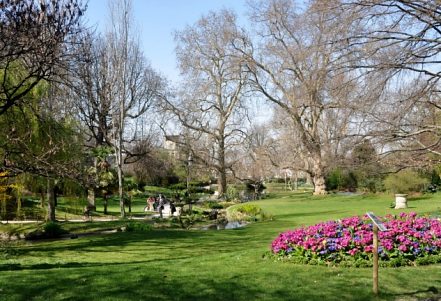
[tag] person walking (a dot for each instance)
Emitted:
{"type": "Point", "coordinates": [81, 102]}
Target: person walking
{"type": "Point", "coordinates": [161, 205]}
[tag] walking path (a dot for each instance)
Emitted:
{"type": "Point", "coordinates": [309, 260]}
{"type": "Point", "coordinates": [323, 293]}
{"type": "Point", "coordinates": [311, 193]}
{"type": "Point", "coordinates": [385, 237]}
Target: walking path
{"type": "Point", "coordinates": [93, 219]}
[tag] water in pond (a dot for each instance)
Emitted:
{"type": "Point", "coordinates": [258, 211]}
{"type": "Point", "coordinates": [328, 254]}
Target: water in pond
{"type": "Point", "coordinates": [229, 225]}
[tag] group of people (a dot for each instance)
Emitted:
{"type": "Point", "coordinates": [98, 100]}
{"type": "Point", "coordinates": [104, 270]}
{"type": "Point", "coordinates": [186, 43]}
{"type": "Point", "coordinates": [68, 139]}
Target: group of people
{"type": "Point", "coordinates": [158, 204]}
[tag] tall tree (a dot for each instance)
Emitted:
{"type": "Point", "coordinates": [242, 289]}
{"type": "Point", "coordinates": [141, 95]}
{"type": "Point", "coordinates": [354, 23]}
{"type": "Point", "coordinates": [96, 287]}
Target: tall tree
{"type": "Point", "coordinates": [401, 40]}
{"type": "Point", "coordinates": [293, 64]}
{"type": "Point", "coordinates": [115, 86]}
{"type": "Point", "coordinates": [211, 105]}
{"type": "Point", "coordinates": [137, 85]}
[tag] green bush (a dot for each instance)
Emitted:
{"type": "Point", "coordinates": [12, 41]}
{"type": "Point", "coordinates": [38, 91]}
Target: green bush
{"type": "Point", "coordinates": [371, 184]}
{"type": "Point", "coordinates": [339, 179]}
{"type": "Point", "coordinates": [53, 230]}
{"type": "Point", "coordinates": [213, 205]}
{"type": "Point", "coordinates": [249, 209]}
{"type": "Point", "coordinates": [247, 212]}
{"type": "Point", "coordinates": [405, 181]}
{"type": "Point", "coordinates": [232, 193]}
{"type": "Point", "coordinates": [138, 227]}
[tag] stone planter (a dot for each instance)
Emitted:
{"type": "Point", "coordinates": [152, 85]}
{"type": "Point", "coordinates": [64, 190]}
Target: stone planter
{"type": "Point", "coordinates": [400, 201]}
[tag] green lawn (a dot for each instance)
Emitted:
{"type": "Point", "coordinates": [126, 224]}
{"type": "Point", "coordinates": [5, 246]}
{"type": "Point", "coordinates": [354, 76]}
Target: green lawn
{"type": "Point", "coordinates": [210, 265]}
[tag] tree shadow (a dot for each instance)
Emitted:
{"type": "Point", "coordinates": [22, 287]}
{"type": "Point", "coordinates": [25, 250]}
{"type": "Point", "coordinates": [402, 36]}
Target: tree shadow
{"type": "Point", "coordinates": [431, 290]}
{"type": "Point", "coordinates": [86, 283]}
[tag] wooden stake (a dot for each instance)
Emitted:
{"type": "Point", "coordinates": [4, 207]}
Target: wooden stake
{"type": "Point", "coordinates": [375, 252]}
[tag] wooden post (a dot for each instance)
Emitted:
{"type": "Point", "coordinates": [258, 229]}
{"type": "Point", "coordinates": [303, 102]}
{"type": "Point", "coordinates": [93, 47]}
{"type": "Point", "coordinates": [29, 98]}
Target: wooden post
{"type": "Point", "coordinates": [375, 253]}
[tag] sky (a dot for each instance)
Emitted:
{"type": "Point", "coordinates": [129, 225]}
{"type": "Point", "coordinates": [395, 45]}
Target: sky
{"type": "Point", "coordinates": [157, 20]}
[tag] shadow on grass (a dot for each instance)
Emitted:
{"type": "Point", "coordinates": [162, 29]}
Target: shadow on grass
{"type": "Point", "coordinates": [420, 198]}
{"type": "Point", "coordinates": [175, 240]}
{"type": "Point", "coordinates": [147, 282]}
{"type": "Point", "coordinates": [431, 290]}
{"type": "Point", "coordinates": [67, 265]}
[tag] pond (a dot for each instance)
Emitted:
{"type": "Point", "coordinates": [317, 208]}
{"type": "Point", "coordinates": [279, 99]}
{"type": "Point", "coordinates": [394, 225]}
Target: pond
{"type": "Point", "coordinates": [227, 226]}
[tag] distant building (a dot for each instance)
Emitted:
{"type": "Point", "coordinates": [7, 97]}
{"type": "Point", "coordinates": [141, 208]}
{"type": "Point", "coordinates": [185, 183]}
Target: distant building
{"type": "Point", "coordinates": [174, 145]}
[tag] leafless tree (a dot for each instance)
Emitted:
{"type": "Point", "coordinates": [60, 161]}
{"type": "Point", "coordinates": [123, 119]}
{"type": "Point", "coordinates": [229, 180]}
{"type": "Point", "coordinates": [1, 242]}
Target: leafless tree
{"type": "Point", "coordinates": [211, 103]}
{"type": "Point", "coordinates": [397, 34]}
{"type": "Point", "coordinates": [255, 155]}
{"type": "Point", "coordinates": [134, 89]}
{"type": "Point", "coordinates": [35, 44]}
{"type": "Point", "coordinates": [114, 87]}
{"type": "Point", "coordinates": [402, 40]}
{"type": "Point", "coordinates": [294, 64]}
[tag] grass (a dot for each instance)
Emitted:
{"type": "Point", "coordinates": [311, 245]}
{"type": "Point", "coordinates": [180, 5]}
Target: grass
{"type": "Point", "coordinates": [210, 265]}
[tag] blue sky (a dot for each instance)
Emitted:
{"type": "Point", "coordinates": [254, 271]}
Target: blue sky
{"type": "Point", "coordinates": [157, 21]}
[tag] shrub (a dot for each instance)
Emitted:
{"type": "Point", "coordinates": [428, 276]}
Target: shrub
{"type": "Point", "coordinates": [232, 193]}
{"type": "Point", "coordinates": [339, 179]}
{"type": "Point", "coordinates": [252, 185]}
{"type": "Point", "coordinates": [138, 227]}
{"type": "Point", "coordinates": [213, 205]}
{"type": "Point", "coordinates": [405, 181]}
{"type": "Point", "coordinates": [371, 184]}
{"type": "Point", "coordinates": [410, 240]}
{"type": "Point", "coordinates": [247, 212]}
{"type": "Point", "coordinates": [53, 230]}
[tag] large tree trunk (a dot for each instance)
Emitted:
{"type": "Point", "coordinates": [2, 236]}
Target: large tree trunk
{"type": "Point", "coordinates": [50, 200]}
{"type": "Point", "coordinates": [91, 197]}
{"type": "Point", "coordinates": [318, 176]}
{"type": "Point", "coordinates": [222, 183]}
{"type": "Point", "coordinates": [222, 180]}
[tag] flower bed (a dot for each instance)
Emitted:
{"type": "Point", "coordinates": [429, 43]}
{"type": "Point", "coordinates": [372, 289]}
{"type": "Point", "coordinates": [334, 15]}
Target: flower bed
{"type": "Point", "coordinates": [411, 240]}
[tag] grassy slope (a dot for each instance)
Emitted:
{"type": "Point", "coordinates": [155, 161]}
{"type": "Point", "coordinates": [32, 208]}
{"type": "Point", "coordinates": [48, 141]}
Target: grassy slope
{"type": "Point", "coordinates": [210, 265]}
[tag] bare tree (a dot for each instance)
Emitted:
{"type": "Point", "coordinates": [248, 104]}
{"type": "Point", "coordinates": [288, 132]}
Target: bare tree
{"type": "Point", "coordinates": [211, 104]}
{"type": "Point", "coordinates": [35, 44]}
{"type": "Point", "coordinates": [398, 35]}
{"type": "Point", "coordinates": [294, 65]}
{"type": "Point", "coordinates": [400, 40]}
{"type": "Point", "coordinates": [134, 89]}
{"type": "Point", "coordinates": [114, 87]}
{"type": "Point", "coordinates": [255, 157]}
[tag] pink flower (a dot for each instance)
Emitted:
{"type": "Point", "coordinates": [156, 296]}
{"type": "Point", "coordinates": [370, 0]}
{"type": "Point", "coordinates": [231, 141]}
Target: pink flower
{"type": "Point", "coordinates": [402, 248]}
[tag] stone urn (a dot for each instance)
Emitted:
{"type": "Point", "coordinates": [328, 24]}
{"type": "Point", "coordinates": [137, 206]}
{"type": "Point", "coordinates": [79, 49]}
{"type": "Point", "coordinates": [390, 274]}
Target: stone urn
{"type": "Point", "coordinates": [400, 201]}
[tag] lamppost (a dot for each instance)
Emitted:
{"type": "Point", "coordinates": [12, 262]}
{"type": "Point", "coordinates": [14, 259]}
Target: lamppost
{"type": "Point", "coordinates": [189, 161]}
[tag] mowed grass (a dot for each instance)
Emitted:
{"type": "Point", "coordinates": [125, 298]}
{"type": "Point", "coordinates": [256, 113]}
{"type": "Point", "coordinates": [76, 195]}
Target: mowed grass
{"type": "Point", "coordinates": [211, 265]}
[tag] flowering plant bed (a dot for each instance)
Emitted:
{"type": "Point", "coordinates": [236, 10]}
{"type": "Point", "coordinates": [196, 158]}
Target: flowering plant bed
{"type": "Point", "coordinates": [410, 240]}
